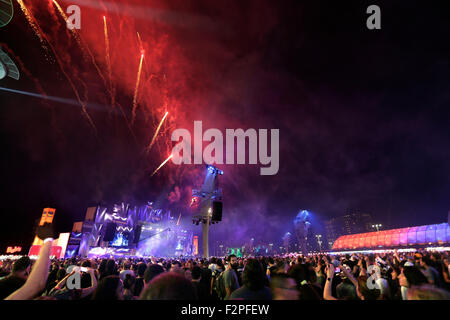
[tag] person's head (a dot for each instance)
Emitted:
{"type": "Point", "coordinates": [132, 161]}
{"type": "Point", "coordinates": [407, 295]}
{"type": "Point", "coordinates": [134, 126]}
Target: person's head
{"type": "Point", "coordinates": [253, 276]}
{"type": "Point", "coordinates": [196, 273]}
{"type": "Point", "coordinates": [21, 267]}
{"type": "Point", "coordinates": [425, 262]}
{"type": "Point", "coordinates": [152, 271]}
{"type": "Point", "coordinates": [109, 288]}
{"type": "Point", "coordinates": [232, 260]}
{"type": "Point", "coordinates": [187, 273]}
{"type": "Point", "coordinates": [102, 266]}
{"type": "Point", "coordinates": [299, 273]}
{"type": "Point", "coordinates": [86, 264]}
{"type": "Point", "coordinates": [129, 282]}
{"type": "Point", "coordinates": [60, 274]}
{"type": "Point", "coordinates": [281, 266]}
{"type": "Point", "coordinates": [284, 288]}
{"type": "Point", "coordinates": [141, 269]}
{"type": "Point", "coordinates": [427, 292]}
{"type": "Point", "coordinates": [363, 291]}
{"type": "Point", "coordinates": [270, 261]}
{"type": "Point", "coordinates": [346, 290]}
{"type": "Point", "coordinates": [176, 267]}
{"type": "Point", "coordinates": [111, 266]}
{"type": "Point", "coordinates": [126, 265]}
{"type": "Point", "coordinates": [411, 276]}
{"type": "Point", "coordinates": [169, 286]}
{"type": "Point", "coordinates": [219, 263]}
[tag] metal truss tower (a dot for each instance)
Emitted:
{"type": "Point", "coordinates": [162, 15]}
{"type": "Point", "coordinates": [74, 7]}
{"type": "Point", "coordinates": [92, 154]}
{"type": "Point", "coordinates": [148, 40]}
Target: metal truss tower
{"type": "Point", "coordinates": [208, 193]}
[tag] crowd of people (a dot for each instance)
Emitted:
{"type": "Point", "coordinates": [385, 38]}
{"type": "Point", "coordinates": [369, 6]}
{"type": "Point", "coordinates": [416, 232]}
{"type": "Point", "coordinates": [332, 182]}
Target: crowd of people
{"type": "Point", "coordinates": [391, 276]}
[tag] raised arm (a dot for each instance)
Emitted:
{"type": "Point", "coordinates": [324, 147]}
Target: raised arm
{"type": "Point", "coordinates": [327, 291]}
{"type": "Point", "coordinates": [38, 276]}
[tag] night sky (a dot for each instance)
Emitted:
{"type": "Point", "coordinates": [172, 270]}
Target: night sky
{"type": "Point", "coordinates": [363, 114]}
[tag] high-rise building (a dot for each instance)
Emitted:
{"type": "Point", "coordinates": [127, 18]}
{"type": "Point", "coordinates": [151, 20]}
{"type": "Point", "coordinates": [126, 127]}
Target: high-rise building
{"type": "Point", "coordinates": [350, 223]}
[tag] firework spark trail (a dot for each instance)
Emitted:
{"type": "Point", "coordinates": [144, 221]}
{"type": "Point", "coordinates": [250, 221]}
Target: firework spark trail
{"type": "Point", "coordinates": [81, 43]}
{"type": "Point", "coordinates": [162, 164]}
{"type": "Point", "coordinates": [35, 26]}
{"type": "Point", "coordinates": [108, 61]}
{"type": "Point", "coordinates": [141, 48]}
{"type": "Point", "coordinates": [156, 132]}
{"type": "Point", "coordinates": [112, 90]}
{"type": "Point", "coordinates": [32, 23]}
{"type": "Point", "coordinates": [136, 90]}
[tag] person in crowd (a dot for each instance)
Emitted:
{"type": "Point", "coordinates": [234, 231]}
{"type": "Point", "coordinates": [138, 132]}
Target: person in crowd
{"type": "Point", "coordinates": [169, 286]}
{"type": "Point", "coordinates": [110, 269]}
{"type": "Point", "coordinates": [62, 291]}
{"type": "Point", "coordinates": [128, 287]}
{"type": "Point", "coordinates": [305, 279]}
{"type": "Point", "coordinates": [203, 292]}
{"type": "Point", "coordinates": [213, 265]}
{"type": "Point", "coordinates": [419, 275]}
{"type": "Point", "coordinates": [139, 285]}
{"type": "Point", "coordinates": [427, 292]}
{"type": "Point", "coordinates": [16, 279]}
{"type": "Point", "coordinates": [60, 275]}
{"type": "Point", "coordinates": [126, 269]}
{"type": "Point", "coordinates": [271, 267]}
{"type": "Point", "coordinates": [109, 288]}
{"type": "Point", "coordinates": [187, 273]}
{"type": "Point", "coordinates": [410, 276]}
{"type": "Point", "coordinates": [362, 290]}
{"type": "Point", "coordinates": [430, 272]}
{"type": "Point", "coordinates": [230, 276]}
{"type": "Point", "coordinates": [217, 281]}
{"type": "Point", "coordinates": [151, 272]}
{"type": "Point", "coordinates": [284, 287]}
{"type": "Point", "coordinates": [253, 280]}
{"type": "Point", "coordinates": [36, 281]}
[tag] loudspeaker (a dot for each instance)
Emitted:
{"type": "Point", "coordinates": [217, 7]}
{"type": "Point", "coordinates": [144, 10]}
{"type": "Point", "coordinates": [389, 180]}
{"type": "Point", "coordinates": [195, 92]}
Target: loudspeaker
{"type": "Point", "coordinates": [137, 233]}
{"type": "Point", "coordinates": [216, 211]}
{"type": "Point", "coordinates": [110, 232]}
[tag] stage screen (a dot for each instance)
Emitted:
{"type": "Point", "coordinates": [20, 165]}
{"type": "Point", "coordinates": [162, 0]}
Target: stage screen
{"type": "Point", "coordinates": [120, 239]}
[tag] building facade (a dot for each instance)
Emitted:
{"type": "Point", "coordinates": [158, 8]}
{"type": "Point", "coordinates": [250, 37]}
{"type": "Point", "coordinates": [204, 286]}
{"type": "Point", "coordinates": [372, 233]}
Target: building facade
{"type": "Point", "coordinates": [350, 223]}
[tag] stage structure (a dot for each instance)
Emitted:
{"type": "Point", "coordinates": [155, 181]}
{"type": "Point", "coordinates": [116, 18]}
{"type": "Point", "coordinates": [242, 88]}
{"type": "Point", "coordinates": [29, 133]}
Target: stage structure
{"type": "Point", "coordinates": [301, 226]}
{"type": "Point", "coordinates": [125, 230]}
{"type": "Point", "coordinates": [207, 204]}
{"type": "Point", "coordinates": [7, 67]}
{"type": "Point", "coordinates": [6, 12]}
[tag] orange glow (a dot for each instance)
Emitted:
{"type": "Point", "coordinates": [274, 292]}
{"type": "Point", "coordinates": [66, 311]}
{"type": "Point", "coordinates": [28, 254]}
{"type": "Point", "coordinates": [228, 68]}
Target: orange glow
{"type": "Point", "coordinates": [162, 164]}
{"type": "Point", "coordinates": [136, 90]}
{"type": "Point", "coordinates": [156, 132]}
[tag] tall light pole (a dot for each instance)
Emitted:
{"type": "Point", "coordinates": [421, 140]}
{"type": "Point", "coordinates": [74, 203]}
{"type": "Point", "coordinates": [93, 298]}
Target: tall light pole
{"type": "Point", "coordinates": [208, 192]}
{"type": "Point", "coordinates": [319, 241]}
